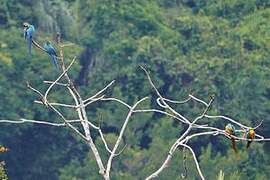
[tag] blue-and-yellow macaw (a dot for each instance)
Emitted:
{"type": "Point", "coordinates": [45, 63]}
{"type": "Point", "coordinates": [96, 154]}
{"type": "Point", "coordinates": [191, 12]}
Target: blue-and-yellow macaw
{"type": "Point", "coordinates": [250, 135]}
{"type": "Point", "coordinates": [52, 52]}
{"type": "Point", "coordinates": [28, 35]}
{"type": "Point", "coordinates": [230, 130]}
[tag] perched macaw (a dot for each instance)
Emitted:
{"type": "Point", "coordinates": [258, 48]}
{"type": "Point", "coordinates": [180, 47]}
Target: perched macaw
{"type": "Point", "coordinates": [250, 135]}
{"type": "Point", "coordinates": [28, 35]}
{"type": "Point", "coordinates": [52, 52]}
{"type": "Point", "coordinates": [230, 129]}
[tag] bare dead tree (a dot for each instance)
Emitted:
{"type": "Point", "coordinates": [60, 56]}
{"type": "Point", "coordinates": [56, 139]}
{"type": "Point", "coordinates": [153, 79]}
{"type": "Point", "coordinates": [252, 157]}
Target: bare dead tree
{"type": "Point", "coordinates": [79, 106]}
{"type": "Point", "coordinates": [193, 124]}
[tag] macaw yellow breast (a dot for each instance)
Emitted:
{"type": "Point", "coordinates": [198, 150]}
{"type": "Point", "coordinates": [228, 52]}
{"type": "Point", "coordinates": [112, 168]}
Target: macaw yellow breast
{"type": "Point", "coordinates": [228, 130]}
{"type": "Point", "coordinates": [252, 133]}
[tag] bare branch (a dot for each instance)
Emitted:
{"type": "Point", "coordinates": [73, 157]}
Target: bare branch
{"type": "Point", "coordinates": [160, 101]}
{"type": "Point", "coordinates": [85, 123]}
{"type": "Point", "coordinates": [104, 141]}
{"type": "Point", "coordinates": [94, 100]}
{"type": "Point", "coordinates": [161, 112]}
{"type": "Point", "coordinates": [163, 104]}
{"type": "Point", "coordinates": [195, 159]}
{"type": "Point", "coordinates": [64, 72]}
{"type": "Point", "coordinates": [88, 122]}
{"type": "Point", "coordinates": [58, 104]}
{"type": "Point", "coordinates": [121, 151]}
{"type": "Point", "coordinates": [109, 163]}
{"type": "Point", "coordinates": [255, 140]}
{"type": "Point", "coordinates": [184, 175]}
{"type": "Point", "coordinates": [173, 148]}
{"type": "Point", "coordinates": [205, 111]}
{"type": "Point", "coordinates": [67, 45]}
{"type": "Point", "coordinates": [197, 99]}
{"type": "Point", "coordinates": [32, 121]}
{"type": "Point", "coordinates": [38, 46]}
{"type": "Point", "coordinates": [118, 100]}
{"type": "Point", "coordinates": [35, 90]}
{"type": "Point", "coordinates": [69, 125]}
{"type": "Point", "coordinates": [150, 81]}
{"type": "Point", "coordinates": [81, 110]}
{"type": "Point", "coordinates": [227, 118]}
{"type": "Point", "coordinates": [258, 124]}
{"type": "Point", "coordinates": [99, 92]}
{"type": "Point", "coordinates": [177, 102]}
{"type": "Point", "coordinates": [57, 83]}
{"type": "Point", "coordinates": [209, 105]}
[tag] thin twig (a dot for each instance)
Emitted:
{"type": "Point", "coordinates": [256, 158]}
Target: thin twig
{"type": "Point", "coordinates": [58, 104]}
{"type": "Point", "coordinates": [117, 100]}
{"type": "Point", "coordinates": [35, 90]}
{"type": "Point", "coordinates": [38, 46]}
{"type": "Point", "coordinates": [57, 83]}
{"type": "Point", "coordinates": [64, 72]}
{"type": "Point", "coordinates": [94, 100]}
{"type": "Point", "coordinates": [197, 99]}
{"type": "Point", "coordinates": [32, 121]}
{"type": "Point", "coordinates": [258, 124]}
{"type": "Point", "coordinates": [99, 92]}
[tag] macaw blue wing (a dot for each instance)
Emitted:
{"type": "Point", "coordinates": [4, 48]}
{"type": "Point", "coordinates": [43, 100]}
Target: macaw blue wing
{"type": "Point", "coordinates": [54, 60]}
{"type": "Point", "coordinates": [51, 49]}
{"type": "Point", "coordinates": [29, 36]}
{"type": "Point", "coordinates": [24, 34]}
{"type": "Point", "coordinates": [29, 45]}
{"type": "Point", "coordinates": [30, 31]}
{"type": "Point", "coordinates": [52, 53]}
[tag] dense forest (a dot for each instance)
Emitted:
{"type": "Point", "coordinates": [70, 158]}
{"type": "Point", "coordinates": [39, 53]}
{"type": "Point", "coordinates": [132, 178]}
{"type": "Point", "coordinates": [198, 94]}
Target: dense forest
{"type": "Point", "coordinates": [205, 47]}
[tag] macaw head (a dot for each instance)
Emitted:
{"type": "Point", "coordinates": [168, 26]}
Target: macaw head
{"type": "Point", "coordinates": [26, 25]}
{"type": "Point", "coordinates": [3, 149]}
{"type": "Point", "coordinates": [47, 41]}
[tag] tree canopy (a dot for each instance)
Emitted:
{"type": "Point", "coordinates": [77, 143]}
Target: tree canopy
{"type": "Point", "coordinates": [203, 47]}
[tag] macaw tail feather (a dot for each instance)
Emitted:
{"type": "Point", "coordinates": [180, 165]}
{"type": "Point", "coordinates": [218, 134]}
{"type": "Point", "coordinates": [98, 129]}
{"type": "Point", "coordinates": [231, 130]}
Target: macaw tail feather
{"type": "Point", "coordinates": [54, 60]}
{"type": "Point", "coordinates": [234, 145]}
{"type": "Point", "coordinates": [248, 144]}
{"type": "Point", "coordinates": [29, 45]}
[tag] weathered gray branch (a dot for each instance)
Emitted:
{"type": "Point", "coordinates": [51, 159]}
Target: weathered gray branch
{"type": "Point", "coordinates": [113, 154]}
{"type": "Point", "coordinates": [80, 104]}
{"type": "Point", "coordinates": [32, 121]}
{"type": "Point", "coordinates": [183, 139]}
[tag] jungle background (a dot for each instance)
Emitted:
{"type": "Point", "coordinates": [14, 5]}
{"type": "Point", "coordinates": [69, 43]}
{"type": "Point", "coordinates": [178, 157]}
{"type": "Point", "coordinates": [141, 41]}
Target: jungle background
{"type": "Point", "coordinates": [208, 47]}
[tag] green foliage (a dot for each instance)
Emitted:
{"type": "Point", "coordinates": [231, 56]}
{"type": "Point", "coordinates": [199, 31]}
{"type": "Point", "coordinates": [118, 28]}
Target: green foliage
{"type": "Point", "coordinates": [241, 166]}
{"type": "Point", "coordinates": [205, 47]}
{"type": "Point", "coordinates": [3, 174]}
